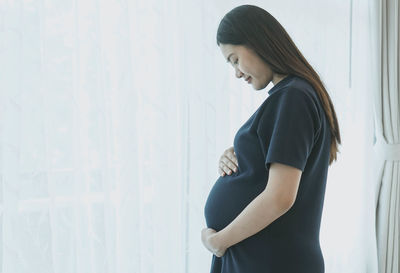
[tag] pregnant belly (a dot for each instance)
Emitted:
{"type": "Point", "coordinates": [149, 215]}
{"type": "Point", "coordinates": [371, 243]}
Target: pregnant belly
{"type": "Point", "coordinates": [227, 199]}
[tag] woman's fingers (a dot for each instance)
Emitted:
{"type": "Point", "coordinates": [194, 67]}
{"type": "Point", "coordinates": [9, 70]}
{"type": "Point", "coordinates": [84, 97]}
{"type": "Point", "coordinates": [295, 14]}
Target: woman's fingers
{"type": "Point", "coordinates": [233, 159]}
{"type": "Point", "coordinates": [233, 162]}
{"type": "Point", "coordinates": [228, 164]}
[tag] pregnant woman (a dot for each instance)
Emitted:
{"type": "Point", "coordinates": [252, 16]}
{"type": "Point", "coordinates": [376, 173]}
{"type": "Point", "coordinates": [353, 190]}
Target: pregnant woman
{"type": "Point", "coordinates": [263, 213]}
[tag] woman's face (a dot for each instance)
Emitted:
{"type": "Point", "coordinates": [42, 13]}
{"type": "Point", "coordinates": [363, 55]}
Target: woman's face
{"type": "Point", "coordinates": [249, 65]}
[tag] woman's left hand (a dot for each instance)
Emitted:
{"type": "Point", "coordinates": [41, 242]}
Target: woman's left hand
{"type": "Point", "coordinates": [209, 239]}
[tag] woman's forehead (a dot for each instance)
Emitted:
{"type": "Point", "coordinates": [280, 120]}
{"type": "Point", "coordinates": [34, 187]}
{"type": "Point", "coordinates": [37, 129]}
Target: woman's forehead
{"type": "Point", "coordinates": [228, 49]}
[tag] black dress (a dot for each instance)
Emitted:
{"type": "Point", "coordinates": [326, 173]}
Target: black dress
{"type": "Point", "coordinates": [289, 127]}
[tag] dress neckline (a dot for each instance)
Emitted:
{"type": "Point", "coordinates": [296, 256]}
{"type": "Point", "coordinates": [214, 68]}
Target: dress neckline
{"type": "Point", "coordinates": [276, 86]}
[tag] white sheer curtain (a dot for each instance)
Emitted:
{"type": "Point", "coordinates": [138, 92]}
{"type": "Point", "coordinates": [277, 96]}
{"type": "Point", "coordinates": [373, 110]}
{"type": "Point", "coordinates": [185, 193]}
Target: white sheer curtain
{"type": "Point", "coordinates": [113, 115]}
{"type": "Point", "coordinates": [387, 133]}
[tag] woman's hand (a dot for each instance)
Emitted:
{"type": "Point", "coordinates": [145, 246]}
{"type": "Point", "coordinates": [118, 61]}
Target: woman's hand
{"type": "Point", "coordinates": [211, 242]}
{"type": "Point", "coordinates": [228, 162]}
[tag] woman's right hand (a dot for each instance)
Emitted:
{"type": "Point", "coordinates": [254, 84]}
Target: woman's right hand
{"type": "Point", "coordinates": [228, 162]}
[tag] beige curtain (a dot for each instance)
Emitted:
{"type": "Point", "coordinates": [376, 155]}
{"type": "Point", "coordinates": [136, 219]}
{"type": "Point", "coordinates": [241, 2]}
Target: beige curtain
{"type": "Point", "coordinates": [387, 134]}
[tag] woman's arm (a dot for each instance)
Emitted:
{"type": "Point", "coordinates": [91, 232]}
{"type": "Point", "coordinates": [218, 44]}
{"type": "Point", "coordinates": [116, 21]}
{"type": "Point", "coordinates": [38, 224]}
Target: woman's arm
{"type": "Point", "coordinates": [277, 198]}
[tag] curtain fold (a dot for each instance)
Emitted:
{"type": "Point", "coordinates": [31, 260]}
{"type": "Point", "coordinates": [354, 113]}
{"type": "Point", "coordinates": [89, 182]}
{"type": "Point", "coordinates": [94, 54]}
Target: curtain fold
{"type": "Point", "coordinates": [387, 134]}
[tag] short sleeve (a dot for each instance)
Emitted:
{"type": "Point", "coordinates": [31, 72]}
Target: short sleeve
{"type": "Point", "coordinates": [287, 128]}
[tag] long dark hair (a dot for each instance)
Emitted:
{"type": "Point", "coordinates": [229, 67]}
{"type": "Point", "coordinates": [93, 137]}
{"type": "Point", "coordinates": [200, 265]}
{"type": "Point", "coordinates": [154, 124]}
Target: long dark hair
{"type": "Point", "coordinates": [256, 29]}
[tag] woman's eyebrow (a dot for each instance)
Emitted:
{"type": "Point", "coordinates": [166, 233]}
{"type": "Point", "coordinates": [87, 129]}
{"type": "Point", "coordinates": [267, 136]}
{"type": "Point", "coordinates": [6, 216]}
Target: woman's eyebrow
{"type": "Point", "coordinates": [227, 59]}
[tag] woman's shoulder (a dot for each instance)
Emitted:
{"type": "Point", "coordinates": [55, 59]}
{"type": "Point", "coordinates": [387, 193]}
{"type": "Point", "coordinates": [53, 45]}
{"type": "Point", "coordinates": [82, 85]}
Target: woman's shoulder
{"type": "Point", "coordinates": [294, 84]}
{"type": "Point", "coordinates": [296, 96]}
{"type": "Point", "coordinates": [296, 89]}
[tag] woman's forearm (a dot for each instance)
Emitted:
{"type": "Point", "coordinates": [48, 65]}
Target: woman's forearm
{"type": "Point", "coordinates": [261, 212]}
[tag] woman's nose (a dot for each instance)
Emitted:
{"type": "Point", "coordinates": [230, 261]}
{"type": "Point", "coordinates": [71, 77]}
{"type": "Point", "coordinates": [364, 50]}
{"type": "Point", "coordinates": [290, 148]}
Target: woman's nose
{"type": "Point", "coordinates": [238, 73]}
